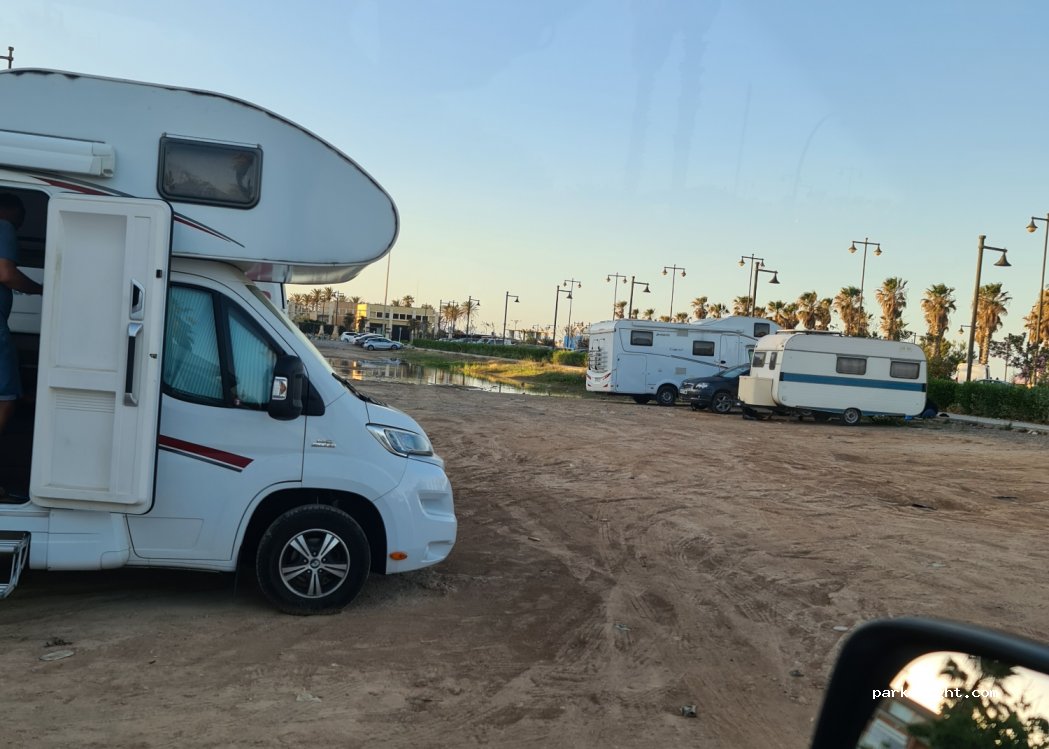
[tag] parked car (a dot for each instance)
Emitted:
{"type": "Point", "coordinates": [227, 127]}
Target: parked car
{"type": "Point", "coordinates": [717, 392]}
{"type": "Point", "coordinates": [363, 338]}
{"type": "Point", "coordinates": [348, 337]}
{"type": "Point", "coordinates": [382, 344]}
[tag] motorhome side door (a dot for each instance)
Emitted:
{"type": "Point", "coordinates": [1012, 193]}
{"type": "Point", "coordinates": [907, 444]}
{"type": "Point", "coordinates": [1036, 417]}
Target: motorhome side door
{"type": "Point", "coordinates": [101, 335]}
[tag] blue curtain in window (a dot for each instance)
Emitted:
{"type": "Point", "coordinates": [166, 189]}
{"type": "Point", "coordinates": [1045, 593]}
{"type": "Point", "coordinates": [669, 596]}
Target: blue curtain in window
{"type": "Point", "coordinates": [191, 354]}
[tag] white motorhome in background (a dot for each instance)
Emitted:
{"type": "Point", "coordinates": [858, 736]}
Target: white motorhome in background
{"type": "Point", "coordinates": [830, 374]}
{"type": "Point", "coordinates": [646, 359]}
{"type": "Point", "coordinates": [180, 419]}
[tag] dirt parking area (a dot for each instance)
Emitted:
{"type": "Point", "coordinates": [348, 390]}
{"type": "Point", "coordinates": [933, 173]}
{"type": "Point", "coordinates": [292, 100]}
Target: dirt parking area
{"type": "Point", "coordinates": [615, 562]}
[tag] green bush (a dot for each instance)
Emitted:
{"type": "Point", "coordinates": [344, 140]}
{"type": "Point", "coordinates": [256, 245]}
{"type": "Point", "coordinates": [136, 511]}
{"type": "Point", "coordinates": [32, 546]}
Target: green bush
{"type": "Point", "coordinates": [943, 393]}
{"type": "Point", "coordinates": [1003, 401]}
{"type": "Point", "coordinates": [570, 358]}
{"type": "Point", "coordinates": [528, 353]}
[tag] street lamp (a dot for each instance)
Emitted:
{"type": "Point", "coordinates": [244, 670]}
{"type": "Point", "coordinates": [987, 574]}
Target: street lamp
{"type": "Point", "coordinates": [469, 303]}
{"type": "Point", "coordinates": [1002, 263]}
{"type": "Point", "coordinates": [506, 307]}
{"type": "Point", "coordinates": [557, 298]}
{"type": "Point", "coordinates": [1037, 337]}
{"type": "Point", "coordinates": [633, 283]}
{"type": "Point", "coordinates": [760, 268]}
{"type": "Point", "coordinates": [568, 283]}
{"type": "Point", "coordinates": [615, 289]}
{"type": "Point", "coordinates": [863, 271]}
{"type": "Point", "coordinates": [673, 269]}
{"type": "Point", "coordinates": [751, 275]}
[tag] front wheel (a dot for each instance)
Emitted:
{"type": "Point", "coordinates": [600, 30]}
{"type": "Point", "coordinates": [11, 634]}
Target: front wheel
{"type": "Point", "coordinates": [666, 395]}
{"type": "Point", "coordinates": [312, 559]}
{"type": "Point", "coordinates": [850, 417]}
{"type": "Point", "coordinates": [370, 347]}
{"type": "Point", "coordinates": [722, 402]}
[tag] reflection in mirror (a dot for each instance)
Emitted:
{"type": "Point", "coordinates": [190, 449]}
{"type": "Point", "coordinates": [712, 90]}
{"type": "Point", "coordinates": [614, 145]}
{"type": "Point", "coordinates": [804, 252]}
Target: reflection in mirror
{"type": "Point", "coordinates": [960, 701]}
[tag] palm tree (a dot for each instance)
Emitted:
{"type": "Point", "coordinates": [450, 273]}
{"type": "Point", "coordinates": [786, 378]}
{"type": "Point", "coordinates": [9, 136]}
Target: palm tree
{"type": "Point", "coordinates": [664, 318]}
{"type": "Point", "coordinates": [1036, 337]}
{"type": "Point", "coordinates": [717, 310]}
{"type": "Point", "coordinates": [808, 309]}
{"type": "Point", "coordinates": [741, 305]}
{"type": "Point", "coordinates": [408, 301]}
{"type": "Point", "coordinates": [849, 308]}
{"type": "Point", "coordinates": [937, 306]}
{"type": "Point", "coordinates": [451, 312]}
{"type": "Point", "coordinates": [699, 307]}
{"type": "Point", "coordinates": [990, 309]}
{"type": "Point", "coordinates": [823, 310]}
{"type": "Point", "coordinates": [300, 303]}
{"type": "Point", "coordinates": [892, 296]}
{"type": "Point", "coordinates": [775, 311]}
{"type": "Point", "coordinates": [315, 296]}
{"type": "Point", "coordinates": [649, 314]}
{"type": "Point", "coordinates": [336, 296]}
{"type": "Point", "coordinates": [620, 310]}
{"type": "Point", "coordinates": [683, 316]}
{"type": "Point", "coordinates": [466, 310]}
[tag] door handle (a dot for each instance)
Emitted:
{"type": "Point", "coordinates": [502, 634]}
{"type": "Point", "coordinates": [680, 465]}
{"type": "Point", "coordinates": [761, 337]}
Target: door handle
{"type": "Point", "coordinates": [138, 300]}
{"type": "Point", "coordinates": [133, 329]}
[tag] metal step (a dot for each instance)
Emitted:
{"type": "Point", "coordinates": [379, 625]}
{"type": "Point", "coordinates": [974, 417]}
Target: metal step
{"type": "Point", "coordinates": [16, 545]}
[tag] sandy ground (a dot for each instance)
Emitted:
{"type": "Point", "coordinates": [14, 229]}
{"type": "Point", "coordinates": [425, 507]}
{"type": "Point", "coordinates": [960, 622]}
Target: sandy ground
{"type": "Point", "coordinates": [615, 562]}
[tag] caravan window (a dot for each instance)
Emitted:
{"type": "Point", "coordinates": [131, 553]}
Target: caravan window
{"type": "Point", "coordinates": [702, 348]}
{"type": "Point", "coordinates": [852, 365]}
{"type": "Point", "coordinates": [772, 359]}
{"type": "Point", "coordinates": [640, 337]}
{"type": "Point", "coordinates": [905, 370]}
{"type": "Point", "coordinates": [758, 361]}
{"type": "Point", "coordinates": [761, 329]}
{"type": "Point", "coordinates": [210, 173]}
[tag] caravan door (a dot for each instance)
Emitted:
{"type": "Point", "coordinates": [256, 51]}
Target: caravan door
{"type": "Point", "coordinates": [101, 335]}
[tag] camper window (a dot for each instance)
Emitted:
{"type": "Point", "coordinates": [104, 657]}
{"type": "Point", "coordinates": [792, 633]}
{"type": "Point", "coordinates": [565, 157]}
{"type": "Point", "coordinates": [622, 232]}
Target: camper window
{"type": "Point", "coordinates": [209, 173]}
{"type": "Point", "coordinates": [761, 329]}
{"type": "Point", "coordinates": [702, 348]}
{"type": "Point", "coordinates": [759, 360]}
{"type": "Point", "coordinates": [772, 359]}
{"type": "Point", "coordinates": [905, 370]}
{"type": "Point", "coordinates": [851, 365]}
{"type": "Point", "coordinates": [640, 337]}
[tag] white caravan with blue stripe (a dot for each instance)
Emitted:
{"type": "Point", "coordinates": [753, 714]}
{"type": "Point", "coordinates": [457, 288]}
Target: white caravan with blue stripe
{"type": "Point", "coordinates": [830, 374]}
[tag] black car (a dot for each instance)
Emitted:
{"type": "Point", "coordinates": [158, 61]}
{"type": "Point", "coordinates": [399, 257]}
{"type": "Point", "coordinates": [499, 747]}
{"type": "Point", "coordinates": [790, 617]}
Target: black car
{"type": "Point", "coordinates": [718, 392]}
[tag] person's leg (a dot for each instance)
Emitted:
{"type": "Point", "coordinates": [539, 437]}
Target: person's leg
{"type": "Point", "coordinates": [10, 379]}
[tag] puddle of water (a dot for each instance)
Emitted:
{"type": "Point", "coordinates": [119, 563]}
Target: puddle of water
{"type": "Point", "coordinates": [395, 370]}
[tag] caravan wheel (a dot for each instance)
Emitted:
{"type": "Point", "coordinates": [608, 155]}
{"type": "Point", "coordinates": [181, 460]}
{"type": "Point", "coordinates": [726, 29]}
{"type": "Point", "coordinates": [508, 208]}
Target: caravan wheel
{"type": "Point", "coordinates": [850, 417]}
{"type": "Point", "coordinates": [666, 395]}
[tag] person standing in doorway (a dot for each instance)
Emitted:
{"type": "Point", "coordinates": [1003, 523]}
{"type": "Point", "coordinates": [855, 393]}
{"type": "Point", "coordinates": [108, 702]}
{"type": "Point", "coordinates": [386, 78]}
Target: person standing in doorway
{"type": "Point", "coordinates": [12, 213]}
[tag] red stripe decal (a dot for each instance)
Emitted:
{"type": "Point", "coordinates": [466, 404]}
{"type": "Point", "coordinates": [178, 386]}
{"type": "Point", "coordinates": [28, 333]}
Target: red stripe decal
{"type": "Point", "coordinates": [210, 453]}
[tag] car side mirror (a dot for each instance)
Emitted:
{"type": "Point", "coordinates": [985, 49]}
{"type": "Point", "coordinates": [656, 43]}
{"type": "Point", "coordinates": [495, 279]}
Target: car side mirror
{"type": "Point", "coordinates": [930, 684]}
{"type": "Point", "coordinates": [289, 384]}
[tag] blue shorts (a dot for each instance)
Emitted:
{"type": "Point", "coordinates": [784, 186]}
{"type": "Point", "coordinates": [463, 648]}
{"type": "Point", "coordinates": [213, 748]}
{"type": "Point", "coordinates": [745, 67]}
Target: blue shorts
{"type": "Point", "coordinates": [10, 379]}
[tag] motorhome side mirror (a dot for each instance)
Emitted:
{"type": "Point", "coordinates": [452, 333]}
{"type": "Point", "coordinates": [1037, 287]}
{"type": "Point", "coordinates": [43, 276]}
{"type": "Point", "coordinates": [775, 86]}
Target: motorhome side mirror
{"type": "Point", "coordinates": [289, 385]}
{"type": "Point", "coordinates": [931, 684]}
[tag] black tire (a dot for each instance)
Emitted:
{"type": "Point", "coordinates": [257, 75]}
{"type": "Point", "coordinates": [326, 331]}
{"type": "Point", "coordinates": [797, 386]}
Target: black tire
{"type": "Point", "coordinates": [850, 417]}
{"type": "Point", "coordinates": [370, 347]}
{"type": "Point", "coordinates": [312, 559]}
{"type": "Point", "coordinates": [722, 402]}
{"type": "Point", "coordinates": [641, 399]}
{"type": "Point", "coordinates": [666, 395]}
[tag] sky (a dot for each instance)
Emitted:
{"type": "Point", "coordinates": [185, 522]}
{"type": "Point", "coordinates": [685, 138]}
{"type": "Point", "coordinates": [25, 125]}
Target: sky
{"type": "Point", "coordinates": [529, 143]}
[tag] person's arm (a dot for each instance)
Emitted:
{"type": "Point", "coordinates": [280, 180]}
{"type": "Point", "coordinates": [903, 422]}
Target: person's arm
{"type": "Point", "coordinates": [16, 280]}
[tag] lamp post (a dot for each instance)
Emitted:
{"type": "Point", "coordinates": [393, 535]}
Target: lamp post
{"type": "Point", "coordinates": [568, 283]}
{"type": "Point", "coordinates": [506, 307]}
{"type": "Point", "coordinates": [633, 283]}
{"type": "Point", "coordinates": [470, 304]}
{"type": "Point", "coordinates": [863, 271]}
{"type": "Point", "coordinates": [615, 290]}
{"type": "Point", "coordinates": [751, 274]}
{"type": "Point", "coordinates": [1032, 227]}
{"type": "Point", "coordinates": [673, 269]}
{"type": "Point", "coordinates": [1002, 263]}
{"type": "Point", "coordinates": [557, 298]}
{"type": "Point", "coordinates": [760, 268]}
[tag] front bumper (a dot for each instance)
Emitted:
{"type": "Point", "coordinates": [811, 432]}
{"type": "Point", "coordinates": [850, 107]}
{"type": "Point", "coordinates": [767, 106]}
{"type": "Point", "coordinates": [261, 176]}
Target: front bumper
{"type": "Point", "coordinates": [425, 527]}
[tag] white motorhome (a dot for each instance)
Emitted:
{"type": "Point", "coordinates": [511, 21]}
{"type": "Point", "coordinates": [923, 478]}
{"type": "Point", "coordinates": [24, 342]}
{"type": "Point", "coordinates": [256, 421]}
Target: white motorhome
{"type": "Point", "coordinates": [646, 359]}
{"type": "Point", "coordinates": [176, 417]}
{"type": "Point", "coordinates": [827, 374]}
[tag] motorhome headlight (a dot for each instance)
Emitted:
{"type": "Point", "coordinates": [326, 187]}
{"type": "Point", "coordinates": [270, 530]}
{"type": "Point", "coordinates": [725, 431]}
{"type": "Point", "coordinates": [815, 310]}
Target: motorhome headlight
{"type": "Point", "coordinates": [401, 441]}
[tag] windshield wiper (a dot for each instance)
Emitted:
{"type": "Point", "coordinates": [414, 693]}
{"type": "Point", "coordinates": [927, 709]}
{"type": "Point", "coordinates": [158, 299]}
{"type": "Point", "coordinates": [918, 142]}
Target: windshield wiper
{"type": "Point", "coordinates": [349, 386]}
